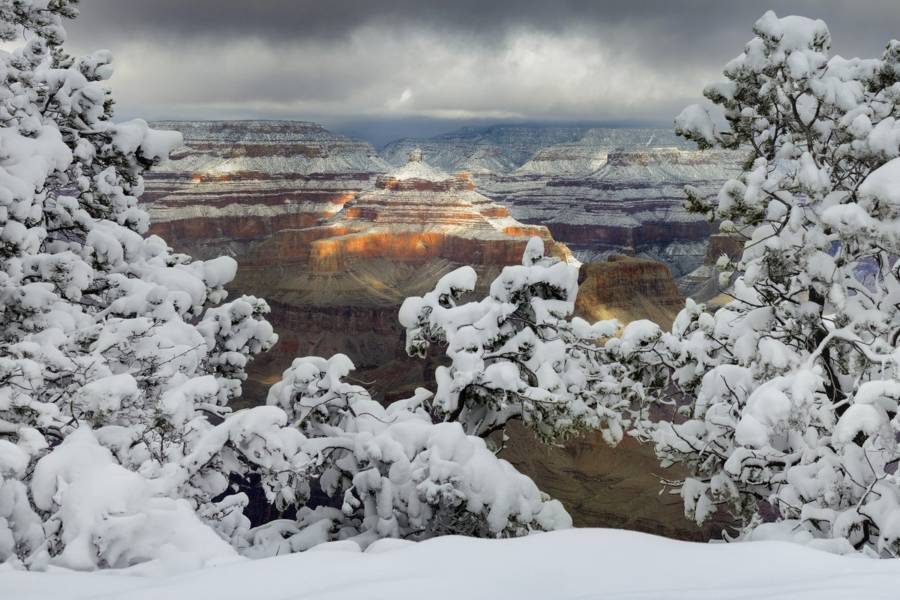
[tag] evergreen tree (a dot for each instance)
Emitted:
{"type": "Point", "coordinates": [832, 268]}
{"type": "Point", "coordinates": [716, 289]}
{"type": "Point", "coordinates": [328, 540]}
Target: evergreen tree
{"type": "Point", "coordinates": [104, 329]}
{"type": "Point", "coordinates": [118, 359]}
{"type": "Point", "coordinates": [516, 354]}
{"type": "Point", "coordinates": [790, 392]}
{"type": "Point", "coordinates": [390, 472]}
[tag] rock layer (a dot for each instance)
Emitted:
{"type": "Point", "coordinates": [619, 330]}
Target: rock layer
{"type": "Point", "coordinates": [408, 218]}
{"type": "Point", "coordinates": [631, 203]}
{"type": "Point", "coordinates": [627, 289]}
{"type": "Point", "coordinates": [337, 286]}
{"type": "Point", "coordinates": [234, 183]}
{"type": "Point", "coordinates": [335, 245]}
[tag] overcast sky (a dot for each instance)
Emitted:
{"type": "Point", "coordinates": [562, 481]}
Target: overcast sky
{"type": "Point", "coordinates": [393, 68]}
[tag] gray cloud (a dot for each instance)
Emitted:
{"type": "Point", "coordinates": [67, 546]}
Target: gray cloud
{"type": "Point", "coordinates": [340, 60]}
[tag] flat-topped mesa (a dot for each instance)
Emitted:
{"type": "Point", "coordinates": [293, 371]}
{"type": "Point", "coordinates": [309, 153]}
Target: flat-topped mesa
{"type": "Point", "coordinates": [657, 156]}
{"type": "Point", "coordinates": [415, 213]}
{"type": "Point", "coordinates": [657, 165]}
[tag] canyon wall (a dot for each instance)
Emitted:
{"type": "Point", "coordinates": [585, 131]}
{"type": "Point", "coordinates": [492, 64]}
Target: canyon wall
{"type": "Point", "coordinates": [630, 203]}
{"type": "Point", "coordinates": [601, 191]}
{"type": "Point", "coordinates": [627, 289]}
{"type": "Point", "coordinates": [234, 183]}
{"type": "Point", "coordinates": [335, 237]}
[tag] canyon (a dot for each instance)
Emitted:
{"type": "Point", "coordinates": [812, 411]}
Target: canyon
{"type": "Point", "coordinates": [600, 191]}
{"type": "Point", "coordinates": [235, 183]}
{"type": "Point", "coordinates": [335, 235]}
{"type": "Point", "coordinates": [336, 286]}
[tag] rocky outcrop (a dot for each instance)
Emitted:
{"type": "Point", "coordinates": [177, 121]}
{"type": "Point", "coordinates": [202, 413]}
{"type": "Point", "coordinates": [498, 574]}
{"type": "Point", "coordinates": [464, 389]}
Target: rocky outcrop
{"type": "Point", "coordinates": [630, 202]}
{"type": "Point", "coordinates": [627, 289]}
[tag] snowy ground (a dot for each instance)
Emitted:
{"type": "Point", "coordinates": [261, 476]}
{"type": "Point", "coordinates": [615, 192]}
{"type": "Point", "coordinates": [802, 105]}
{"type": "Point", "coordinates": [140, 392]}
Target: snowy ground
{"type": "Point", "coordinates": [574, 564]}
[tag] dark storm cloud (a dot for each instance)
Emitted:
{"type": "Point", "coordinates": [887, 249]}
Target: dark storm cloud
{"type": "Point", "coordinates": [460, 59]}
{"type": "Point", "coordinates": [684, 27]}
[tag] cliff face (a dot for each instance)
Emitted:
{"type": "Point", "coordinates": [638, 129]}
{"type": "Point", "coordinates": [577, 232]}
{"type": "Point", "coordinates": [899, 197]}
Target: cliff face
{"type": "Point", "coordinates": [600, 191]}
{"type": "Point", "coordinates": [606, 487]}
{"type": "Point", "coordinates": [627, 289]}
{"type": "Point", "coordinates": [624, 201]}
{"type": "Point", "coordinates": [335, 245]}
{"type": "Point", "coordinates": [234, 183]}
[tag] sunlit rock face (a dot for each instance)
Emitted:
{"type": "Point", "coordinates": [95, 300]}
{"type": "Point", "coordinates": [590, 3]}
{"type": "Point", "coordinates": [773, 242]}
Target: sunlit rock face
{"type": "Point", "coordinates": [237, 182]}
{"type": "Point", "coordinates": [600, 191]}
{"type": "Point", "coordinates": [415, 213]}
{"type": "Point", "coordinates": [337, 286]}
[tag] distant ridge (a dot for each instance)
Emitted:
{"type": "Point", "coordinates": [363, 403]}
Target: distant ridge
{"type": "Point", "coordinates": [506, 148]}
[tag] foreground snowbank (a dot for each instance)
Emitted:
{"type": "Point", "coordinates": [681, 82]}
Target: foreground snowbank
{"type": "Point", "coordinates": [580, 563]}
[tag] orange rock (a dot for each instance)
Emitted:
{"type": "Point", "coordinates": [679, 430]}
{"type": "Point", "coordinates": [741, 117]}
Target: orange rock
{"type": "Point", "coordinates": [628, 288]}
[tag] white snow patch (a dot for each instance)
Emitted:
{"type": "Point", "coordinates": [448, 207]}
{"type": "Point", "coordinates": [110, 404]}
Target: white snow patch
{"type": "Point", "coordinates": [582, 563]}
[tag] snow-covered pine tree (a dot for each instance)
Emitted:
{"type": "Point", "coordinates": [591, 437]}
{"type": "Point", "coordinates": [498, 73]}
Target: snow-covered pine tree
{"type": "Point", "coordinates": [791, 390]}
{"type": "Point", "coordinates": [390, 472]}
{"type": "Point", "coordinates": [516, 354]}
{"type": "Point", "coordinates": [110, 359]}
{"type": "Point", "coordinates": [116, 368]}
